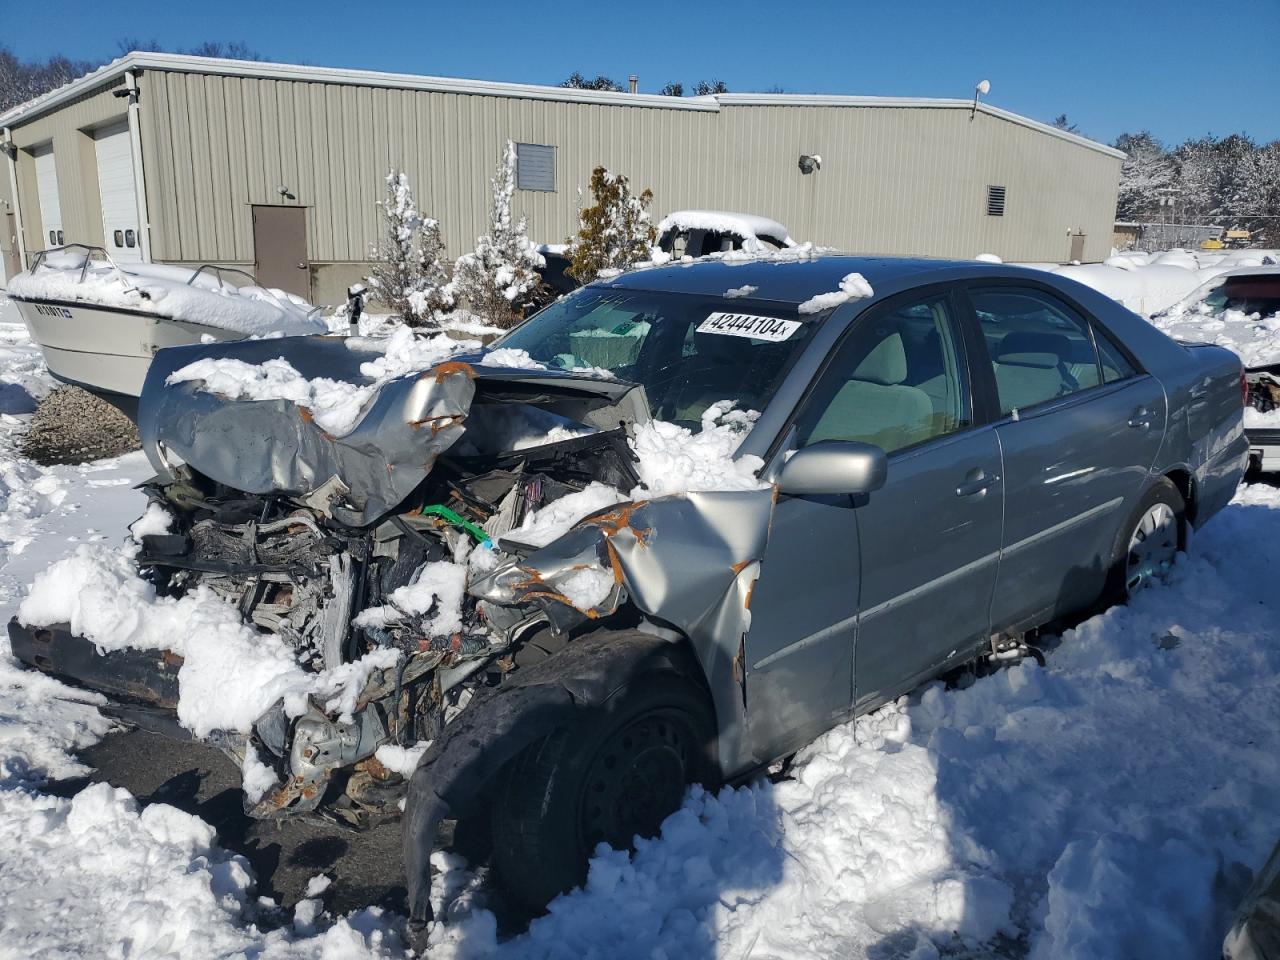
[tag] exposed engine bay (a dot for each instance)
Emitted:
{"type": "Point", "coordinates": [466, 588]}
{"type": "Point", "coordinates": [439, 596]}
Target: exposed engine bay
{"type": "Point", "coordinates": [294, 569]}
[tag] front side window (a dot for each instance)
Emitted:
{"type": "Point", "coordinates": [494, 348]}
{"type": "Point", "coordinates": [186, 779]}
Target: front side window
{"type": "Point", "coordinates": [1040, 349]}
{"type": "Point", "coordinates": [689, 352]}
{"type": "Point", "coordinates": [897, 381]}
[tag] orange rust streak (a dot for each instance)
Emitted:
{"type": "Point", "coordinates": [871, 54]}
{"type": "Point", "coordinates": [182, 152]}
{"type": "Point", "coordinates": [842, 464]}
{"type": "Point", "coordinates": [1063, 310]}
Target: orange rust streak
{"type": "Point", "coordinates": [740, 566]}
{"type": "Point", "coordinates": [450, 368]}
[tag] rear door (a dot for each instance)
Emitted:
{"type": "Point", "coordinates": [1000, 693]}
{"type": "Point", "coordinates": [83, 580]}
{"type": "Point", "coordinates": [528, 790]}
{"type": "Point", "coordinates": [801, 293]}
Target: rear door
{"type": "Point", "coordinates": [1080, 426]}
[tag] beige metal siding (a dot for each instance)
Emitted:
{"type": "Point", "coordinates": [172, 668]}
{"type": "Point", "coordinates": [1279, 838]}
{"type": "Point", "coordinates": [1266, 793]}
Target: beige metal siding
{"type": "Point", "coordinates": [893, 179]}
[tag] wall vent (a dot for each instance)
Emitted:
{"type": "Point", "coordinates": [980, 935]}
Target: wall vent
{"type": "Point", "coordinates": [995, 201]}
{"type": "Point", "coordinates": [536, 167]}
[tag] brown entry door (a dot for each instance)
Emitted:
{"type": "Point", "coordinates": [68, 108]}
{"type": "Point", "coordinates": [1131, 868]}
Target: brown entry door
{"type": "Point", "coordinates": [1077, 246]}
{"type": "Point", "coordinates": [280, 249]}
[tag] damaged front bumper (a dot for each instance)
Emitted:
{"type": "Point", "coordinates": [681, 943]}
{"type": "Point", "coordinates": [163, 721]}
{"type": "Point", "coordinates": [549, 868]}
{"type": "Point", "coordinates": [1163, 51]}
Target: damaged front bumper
{"type": "Point", "coordinates": [141, 686]}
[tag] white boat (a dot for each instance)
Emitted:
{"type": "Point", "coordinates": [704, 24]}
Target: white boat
{"type": "Point", "coordinates": [99, 324]}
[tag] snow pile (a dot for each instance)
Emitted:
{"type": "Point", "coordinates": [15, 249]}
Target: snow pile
{"type": "Point", "coordinates": [402, 760]}
{"type": "Point", "coordinates": [335, 405]}
{"type": "Point", "coordinates": [1253, 337]}
{"type": "Point", "coordinates": [587, 588]}
{"type": "Point", "coordinates": [230, 675]}
{"type": "Point", "coordinates": [673, 459]}
{"type": "Point", "coordinates": [98, 876]}
{"type": "Point", "coordinates": [554, 520]}
{"type": "Point", "coordinates": [436, 589]}
{"type": "Point", "coordinates": [165, 291]}
{"type": "Point", "coordinates": [511, 358]}
{"type": "Point", "coordinates": [745, 290]}
{"type": "Point", "coordinates": [854, 286]}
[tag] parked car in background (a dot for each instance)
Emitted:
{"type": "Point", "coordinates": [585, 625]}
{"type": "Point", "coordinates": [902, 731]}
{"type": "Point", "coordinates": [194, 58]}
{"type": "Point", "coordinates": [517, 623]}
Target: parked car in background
{"type": "Point", "coordinates": [1240, 310]}
{"type": "Point", "coordinates": [685, 233]}
{"type": "Point", "coordinates": [935, 458]}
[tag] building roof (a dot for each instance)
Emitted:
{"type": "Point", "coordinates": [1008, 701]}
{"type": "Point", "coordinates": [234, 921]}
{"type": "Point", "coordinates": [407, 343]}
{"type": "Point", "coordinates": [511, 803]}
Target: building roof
{"type": "Point", "coordinates": [183, 63]}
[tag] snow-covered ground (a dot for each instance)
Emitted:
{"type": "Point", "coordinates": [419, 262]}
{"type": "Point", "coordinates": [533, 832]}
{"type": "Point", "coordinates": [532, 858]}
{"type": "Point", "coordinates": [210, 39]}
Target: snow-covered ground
{"type": "Point", "coordinates": [1111, 804]}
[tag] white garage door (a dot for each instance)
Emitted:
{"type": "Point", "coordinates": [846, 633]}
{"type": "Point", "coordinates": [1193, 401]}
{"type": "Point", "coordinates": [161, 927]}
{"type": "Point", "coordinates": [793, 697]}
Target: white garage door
{"type": "Point", "coordinates": [119, 197]}
{"type": "Point", "coordinates": [47, 190]}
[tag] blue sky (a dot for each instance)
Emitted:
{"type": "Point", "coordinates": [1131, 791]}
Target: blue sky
{"type": "Point", "coordinates": [1176, 67]}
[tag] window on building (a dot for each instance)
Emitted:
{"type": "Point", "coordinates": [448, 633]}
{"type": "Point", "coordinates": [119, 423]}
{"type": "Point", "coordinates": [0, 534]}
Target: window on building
{"type": "Point", "coordinates": [536, 167]}
{"type": "Point", "coordinates": [995, 201]}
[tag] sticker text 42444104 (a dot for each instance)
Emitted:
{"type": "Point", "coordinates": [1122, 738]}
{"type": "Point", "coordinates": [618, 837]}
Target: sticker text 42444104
{"type": "Point", "coordinates": [748, 325]}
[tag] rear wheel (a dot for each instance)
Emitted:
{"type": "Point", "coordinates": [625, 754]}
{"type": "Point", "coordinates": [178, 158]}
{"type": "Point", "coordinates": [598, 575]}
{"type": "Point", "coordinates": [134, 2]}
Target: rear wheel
{"type": "Point", "coordinates": [615, 774]}
{"type": "Point", "coordinates": [1149, 541]}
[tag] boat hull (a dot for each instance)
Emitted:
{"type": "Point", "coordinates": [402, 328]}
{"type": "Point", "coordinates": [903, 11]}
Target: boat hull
{"type": "Point", "coordinates": [106, 351]}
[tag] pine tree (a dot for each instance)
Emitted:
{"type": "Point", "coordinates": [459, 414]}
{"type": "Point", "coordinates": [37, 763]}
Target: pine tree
{"type": "Point", "coordinates": [499, 279]}
{"type": "Point", "coordinates": [411, 274]}
{"type": "Point", "coordinates": [616, 231]}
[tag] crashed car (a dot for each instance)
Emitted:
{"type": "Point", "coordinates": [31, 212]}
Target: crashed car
{"type": "Point", "coordinates": [1240, 309]}
{"type": "Point", "coordinates": [932, 460]}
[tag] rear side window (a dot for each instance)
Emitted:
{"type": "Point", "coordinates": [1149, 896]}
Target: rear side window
{"type": "Point", "coordinates": [1040, 348]}
{"type": "Point", "coordinates": [1115, 365]}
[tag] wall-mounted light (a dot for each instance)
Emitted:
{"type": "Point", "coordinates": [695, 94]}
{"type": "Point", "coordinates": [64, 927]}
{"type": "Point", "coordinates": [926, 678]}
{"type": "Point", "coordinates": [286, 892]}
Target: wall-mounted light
{"type": "Point", "coordinates": [10, 149]}
{"type": "Point", "coordinates": [284, 193]}
{"type": "Point", "coordinates": [810, 163]}
{"type": "Point", "coordinates": [981, 90]}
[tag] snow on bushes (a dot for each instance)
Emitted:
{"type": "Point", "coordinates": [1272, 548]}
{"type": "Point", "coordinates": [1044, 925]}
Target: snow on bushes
{"type": "Point", "coordinates": [500, 277]}
{"type": "Point", "coordinates": [412, 273]}
{"type": "Point", "coordinates": [615, 233]}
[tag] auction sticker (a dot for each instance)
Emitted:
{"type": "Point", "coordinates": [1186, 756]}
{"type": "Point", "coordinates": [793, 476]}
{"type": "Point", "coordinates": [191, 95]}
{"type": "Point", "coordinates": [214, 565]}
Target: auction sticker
{"type": "Point", "coordinates": [748, 325]}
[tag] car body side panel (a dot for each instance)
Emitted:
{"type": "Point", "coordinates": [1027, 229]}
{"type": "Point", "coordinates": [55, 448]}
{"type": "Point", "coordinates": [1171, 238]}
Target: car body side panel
{"type": "Point", "coordinates": [799, 649]}
{"type": "Point", "coordinates": [1073, 471]}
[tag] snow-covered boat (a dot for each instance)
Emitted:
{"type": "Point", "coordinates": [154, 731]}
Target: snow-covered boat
{"type": "Point", "coordinates": [99, 324]}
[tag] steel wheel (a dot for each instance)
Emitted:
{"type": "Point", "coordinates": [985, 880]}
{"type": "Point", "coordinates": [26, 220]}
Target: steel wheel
{"type": "Point", "coordinates": [1153, 546]}
{"type": "Point", "coordinates": [637, 779]}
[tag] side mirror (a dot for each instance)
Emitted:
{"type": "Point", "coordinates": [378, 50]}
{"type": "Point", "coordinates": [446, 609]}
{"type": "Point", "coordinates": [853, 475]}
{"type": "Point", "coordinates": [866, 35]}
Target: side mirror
{"type": "Point", "coordinates": [834, 467]}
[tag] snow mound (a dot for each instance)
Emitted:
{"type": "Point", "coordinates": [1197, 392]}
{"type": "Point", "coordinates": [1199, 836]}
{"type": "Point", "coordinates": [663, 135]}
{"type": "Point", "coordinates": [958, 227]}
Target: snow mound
{"type": "Point", "coordinates": [854, 286]}
{"type": "Point", "coordinates": [98, 876]}
{"type": "Point", "coordinates": [165, 291]}
{"type": "Point", "coordinates": [230, 675]}
{"type": "Point", "coordinates": [1253, 337]}
{"type": "Point", "coordinates": [336, 405]}
{"type": "Point", "coordinates": [673, 459]}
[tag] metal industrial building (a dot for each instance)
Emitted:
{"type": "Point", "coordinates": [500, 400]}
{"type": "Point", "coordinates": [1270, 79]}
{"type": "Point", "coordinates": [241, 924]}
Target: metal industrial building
{"type": "Point", "coordinates": [279, 168]}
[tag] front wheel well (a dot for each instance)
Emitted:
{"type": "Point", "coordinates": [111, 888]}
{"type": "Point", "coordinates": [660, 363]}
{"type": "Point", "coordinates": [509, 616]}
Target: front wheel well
{"type": "Point", "coordinates": [1185, 483]}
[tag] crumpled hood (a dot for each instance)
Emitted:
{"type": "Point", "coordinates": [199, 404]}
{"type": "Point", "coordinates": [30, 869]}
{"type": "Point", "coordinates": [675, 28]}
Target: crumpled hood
{"type": "Point", "coordinates": [266, 446]}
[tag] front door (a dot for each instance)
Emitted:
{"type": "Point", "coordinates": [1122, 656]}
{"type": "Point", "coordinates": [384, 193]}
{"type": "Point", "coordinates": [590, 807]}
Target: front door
{"type": "Point", "coordinates": [280, 249]}
{"type": "Point", "coordinates": [857, 601]}
{"type": "Point", "coordinates": [1080, 429]}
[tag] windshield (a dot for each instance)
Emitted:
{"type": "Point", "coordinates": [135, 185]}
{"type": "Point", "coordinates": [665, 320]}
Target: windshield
{"type": "Point", "coordinates": [688, 352]}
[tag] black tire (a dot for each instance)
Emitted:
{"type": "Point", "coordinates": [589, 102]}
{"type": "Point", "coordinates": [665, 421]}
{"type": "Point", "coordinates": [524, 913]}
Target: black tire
{"type": "Point", "coordinates": [619, 771]}
{"type": "Point", "coordinates": [1120, 579]}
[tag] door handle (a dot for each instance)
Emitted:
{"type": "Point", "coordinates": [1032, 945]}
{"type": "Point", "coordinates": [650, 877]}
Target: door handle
{"type": "Point", "coordinates": [302, 265]}
{"type": "Point", "coordinates": [976, 482]}
{"type": "Point", "coordinates": [1142, 419]}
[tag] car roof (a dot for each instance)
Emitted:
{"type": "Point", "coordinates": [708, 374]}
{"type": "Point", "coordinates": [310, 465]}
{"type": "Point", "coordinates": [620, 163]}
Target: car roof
{"type": "Point", "coordinates": [787, 278]}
